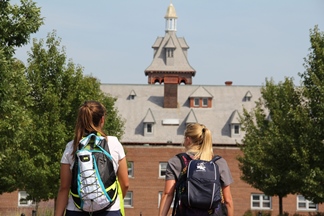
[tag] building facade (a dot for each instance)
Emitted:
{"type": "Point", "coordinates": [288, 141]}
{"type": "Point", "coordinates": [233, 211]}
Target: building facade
{"type": "Point", "coordinates": [156, 116]}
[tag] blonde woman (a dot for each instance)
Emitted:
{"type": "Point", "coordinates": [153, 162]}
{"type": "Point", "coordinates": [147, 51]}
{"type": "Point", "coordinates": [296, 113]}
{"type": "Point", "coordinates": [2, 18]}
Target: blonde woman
{"type": "Point", "coordinates": [198, 145]}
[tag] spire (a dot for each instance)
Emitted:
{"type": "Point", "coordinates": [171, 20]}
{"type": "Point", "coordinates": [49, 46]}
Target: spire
{"type": "Point", "coordinates": [171, 19]}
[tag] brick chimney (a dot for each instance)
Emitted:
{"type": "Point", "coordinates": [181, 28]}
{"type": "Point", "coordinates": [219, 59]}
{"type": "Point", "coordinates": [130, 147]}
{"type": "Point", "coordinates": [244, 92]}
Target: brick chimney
{"type": "Point", "coordinates": [171, 91]}
{"type": "Point", "coordinates": [228, 83]}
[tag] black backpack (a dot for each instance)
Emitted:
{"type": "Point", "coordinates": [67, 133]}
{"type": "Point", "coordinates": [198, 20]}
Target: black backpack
{"type": "Point", "coordinates": [198, 189]}
{"type": "Point", "coordinates": [94, 182]}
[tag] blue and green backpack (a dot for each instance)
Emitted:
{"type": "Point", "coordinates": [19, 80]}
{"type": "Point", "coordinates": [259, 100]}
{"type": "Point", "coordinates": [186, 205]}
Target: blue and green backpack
{"type": "Point", "coordinates": [94, 185]}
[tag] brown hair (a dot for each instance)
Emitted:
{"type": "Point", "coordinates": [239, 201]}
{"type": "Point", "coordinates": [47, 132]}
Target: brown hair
{"type": "Point", "coordinates": [89, 118]}
{"type": "Point", "coordinates": [201, 141]}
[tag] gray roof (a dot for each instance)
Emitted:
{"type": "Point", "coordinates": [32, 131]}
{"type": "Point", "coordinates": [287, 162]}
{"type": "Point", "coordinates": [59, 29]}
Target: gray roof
{"type": "Point", "coordinates": [147, 106]}
{"type": "Point", "coordinates": [191, 118]}
{"type": "Point", "coordinates": [235, 118]}
{"type": "Point", "coordinates": [181, 64]}
{"type": "Point", "coordinates": [149, 118]}
{"type": "Point", "coordinates": [201, 92]}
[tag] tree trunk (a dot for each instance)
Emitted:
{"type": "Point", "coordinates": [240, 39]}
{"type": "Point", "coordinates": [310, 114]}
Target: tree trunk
{"type": "Point", "coordinates": [280, 205]}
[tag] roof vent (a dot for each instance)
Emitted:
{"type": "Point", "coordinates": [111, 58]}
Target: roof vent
{"type": "Point", "coordinates": [170, 121]}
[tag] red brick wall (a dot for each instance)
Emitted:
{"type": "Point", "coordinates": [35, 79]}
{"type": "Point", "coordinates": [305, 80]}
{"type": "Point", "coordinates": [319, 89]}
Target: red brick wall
{"type": "Point", "coordinates": [9, 206]}
{"type": "Point", "coordinates": [146, 184]}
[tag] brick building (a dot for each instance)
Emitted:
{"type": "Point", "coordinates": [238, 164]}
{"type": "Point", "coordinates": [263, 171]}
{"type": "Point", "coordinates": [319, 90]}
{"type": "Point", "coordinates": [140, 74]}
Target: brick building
{"type": "Point", "coordinates": [156, 115]}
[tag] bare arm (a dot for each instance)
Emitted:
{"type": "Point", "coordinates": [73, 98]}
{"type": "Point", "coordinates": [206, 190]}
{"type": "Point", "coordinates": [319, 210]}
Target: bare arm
{"type": "Point", "coordinates": [228, 200]}
{"type": "Point", "coordinates": [63, 193]}
{"type": "Point", "coordinates": [167, 197]}
{"type": "Point", "coordinates": [123, 176]}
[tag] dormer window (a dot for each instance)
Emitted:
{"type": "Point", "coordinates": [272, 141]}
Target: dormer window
{"type": "Point", "coordinates": [236, 129]}
{"type": "Point", "coordinates": [201, 102]}
{"type": "Point", "coordinates": [170, 53]}
{"type": "Point", "coordinates": [149, 128]}
{"type": "Point", "coordinates": [247, 96]}
{"type": "Point", "coordinates": [149, 122]}
{"type": "Point", "coordinates": [132, 95]}
{"type": "Point", "coordinates": [191, 118]}
{"type": "Point", "coordinates": [200, 98]}
{"type": "Point", "coordinates": [205, 102]}
{"type": "Point", "coordinates": [235, 125]}
{"type": "Point", "coordinates": [196, 102]}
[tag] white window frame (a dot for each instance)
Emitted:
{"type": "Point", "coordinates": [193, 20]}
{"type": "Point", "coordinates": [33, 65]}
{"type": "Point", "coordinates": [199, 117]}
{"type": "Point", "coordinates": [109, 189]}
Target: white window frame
{"type": "Point", "coordinates": [170, 53]}
{"type": "Point", "coordinates": [162, 168]}
{"type": "Point", "coordinates": [149, 125]}
{"type": "Point", "coordinates": [130, 168]}
{"type": "Point", "coordinates": [128, 200]}
{"type": "Point", "coordinates": [236, 129]}
{"type": "Point", "coordinates": [309, 205]}
{"type": "Point", "coordinates": [261, 201]}
{"type": "Point", "coordinates": [22, 195]}
{"type": "Point", "coordinates": [205, 102]}
{"type": "Point", "coordinates": [196, 100]}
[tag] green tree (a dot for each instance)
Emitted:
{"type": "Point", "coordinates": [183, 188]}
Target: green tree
{"type": "Point", "coordinates": [58, 88]}
{"type": "Point", "coordinates": [274, 144]}
{"type": "Point", "coordinates": [17, 23]}
{"type": "Point", "coordinates": [313, 83]}
{"type": "Point", "coordinates": [15, 122]}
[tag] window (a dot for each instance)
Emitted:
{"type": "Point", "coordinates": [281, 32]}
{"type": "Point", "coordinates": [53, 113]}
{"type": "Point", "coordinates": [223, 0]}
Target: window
{"type": "Point", "coordinates": [160, 197]}
{"type": "Point", "coordinates": [22, 199]}
{"type": "Point", "coordinates": [205, 101]}
{"type": "Point", "coordinates": [132, 97]}
{"type": "Point", "coordinates": [149, 128]}
{"type": "Point", "coordinates": [196, 102]}
{"type": "Point", "coordinates": [130, 166]}
{"type": "Point", "coordinates": [162, 169]}
{"type": "Point", "coordinates": [128, 200]}
{"type": "Point", "coordinates": [170, 53]}
{"type": "Point", "coordinates": [260, 201]}
{"type": "Point", "coordinates": [236, 129]}
{"type": "Point", "coordinates": [247, 96]}
{"type": "Point", "coordinates": [304, 204]}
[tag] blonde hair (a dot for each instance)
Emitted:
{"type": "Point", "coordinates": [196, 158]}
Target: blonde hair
{"type": "Point", "coordinates": [89, 118]}
{"type": "Point", "coordinates": [201, 141]}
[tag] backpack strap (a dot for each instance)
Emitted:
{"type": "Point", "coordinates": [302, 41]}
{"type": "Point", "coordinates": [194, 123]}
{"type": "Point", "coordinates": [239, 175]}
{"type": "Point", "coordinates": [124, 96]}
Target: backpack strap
{"type": "Point", "coordinates": [216, 157]}
{"type": "Point", "coordinates": [184, 159]}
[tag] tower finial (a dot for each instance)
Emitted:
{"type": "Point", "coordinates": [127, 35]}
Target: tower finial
{"type": "Point", "coordinates": [171, 18]}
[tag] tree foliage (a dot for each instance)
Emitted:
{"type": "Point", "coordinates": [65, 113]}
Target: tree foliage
{"type": "Point", "coordinates": [283, 146]}
{"type": "Point", "coordinates": [313, 83]}
{"type": "Point", "coordinates": [39, 104]}
{"type": "Point", "coordinates": [274, 143]}
{"type": "Point", "coordinates": [15, 122]}
{"type": "Point", "coordinates": [17, 23]}
{"type": "Point", "coordinates": [58, 88]}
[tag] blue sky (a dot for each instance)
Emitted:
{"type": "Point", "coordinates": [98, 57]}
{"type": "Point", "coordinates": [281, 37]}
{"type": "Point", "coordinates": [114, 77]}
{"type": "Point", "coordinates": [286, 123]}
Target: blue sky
{"type": "Point", "coordinates": [245, 41]}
